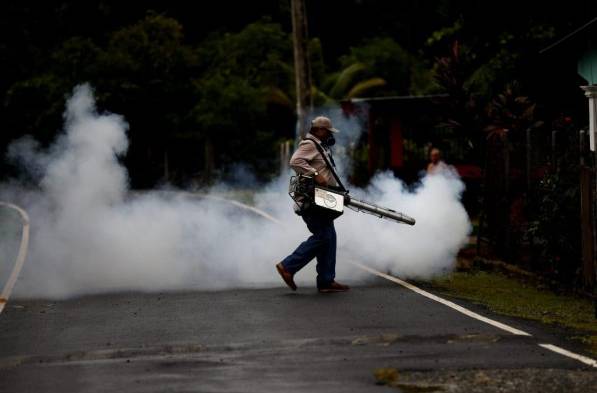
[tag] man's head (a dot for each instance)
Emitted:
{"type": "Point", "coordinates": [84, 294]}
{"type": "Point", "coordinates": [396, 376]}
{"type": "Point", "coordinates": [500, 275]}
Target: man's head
{"type": "Point", "coordinates": [321, 127]}
{"type": "Point", "coordinates": [435, 155]}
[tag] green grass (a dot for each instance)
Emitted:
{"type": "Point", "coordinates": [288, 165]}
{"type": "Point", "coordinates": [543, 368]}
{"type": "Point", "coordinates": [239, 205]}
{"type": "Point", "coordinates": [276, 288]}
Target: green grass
{"type": "Point", "coordinates": [509, 296]}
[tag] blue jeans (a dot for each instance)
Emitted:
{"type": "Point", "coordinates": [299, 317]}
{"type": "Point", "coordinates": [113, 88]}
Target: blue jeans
{"type": "Point", "coordinates": [320, 245]}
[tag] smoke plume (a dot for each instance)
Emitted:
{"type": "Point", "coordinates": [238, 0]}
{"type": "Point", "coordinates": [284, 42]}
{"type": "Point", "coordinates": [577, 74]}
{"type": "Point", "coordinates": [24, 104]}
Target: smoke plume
{"type": "Point", "coordinates": [91, 234]}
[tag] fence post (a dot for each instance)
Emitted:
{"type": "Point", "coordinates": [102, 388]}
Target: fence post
{"type": "Point", "coordinates": [507, 200]}
{"type": "Point", "coordinates": [529, 151]}
{"type": "Point", "coordinates": [586, 221]}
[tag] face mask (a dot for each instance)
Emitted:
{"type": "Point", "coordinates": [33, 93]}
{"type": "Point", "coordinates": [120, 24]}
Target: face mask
{"type": "Point", "coordinates": [330, 141]}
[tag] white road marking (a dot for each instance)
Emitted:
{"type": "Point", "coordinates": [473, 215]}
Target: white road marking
{"type": "Point", "coordinates": [236, 203]}
{"type": "Point", "coordinates": [445, 302]}
{"type": "Point", "coordinates": [241, 205]}
{"type": "Point", "coordinates": [584, 359]}
{"type": "Point", "coordinates": [21, 256]}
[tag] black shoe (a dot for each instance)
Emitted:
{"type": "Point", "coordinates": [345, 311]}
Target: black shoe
{"type": "Point", "coordinates": [286, 276]}
{"type": "Point", "coordinates": [333, 287]}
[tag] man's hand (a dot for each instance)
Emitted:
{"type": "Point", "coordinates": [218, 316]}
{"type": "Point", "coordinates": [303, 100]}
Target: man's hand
{"type": "Point", "coordinates": [321, 180]}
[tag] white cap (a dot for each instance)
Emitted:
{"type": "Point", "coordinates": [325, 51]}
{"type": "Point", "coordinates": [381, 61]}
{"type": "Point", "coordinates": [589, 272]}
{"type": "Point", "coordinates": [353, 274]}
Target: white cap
{"type": "Point", "coordinates": [323, 122]}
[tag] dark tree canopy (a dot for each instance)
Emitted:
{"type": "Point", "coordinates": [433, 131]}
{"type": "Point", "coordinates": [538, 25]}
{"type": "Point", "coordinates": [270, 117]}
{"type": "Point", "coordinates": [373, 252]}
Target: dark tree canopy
{"type": "Point", "coordinates": [212, 86]}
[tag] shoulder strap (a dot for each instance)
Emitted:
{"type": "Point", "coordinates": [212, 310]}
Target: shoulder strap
{"type": "Point", "coordinates": [327, 162]}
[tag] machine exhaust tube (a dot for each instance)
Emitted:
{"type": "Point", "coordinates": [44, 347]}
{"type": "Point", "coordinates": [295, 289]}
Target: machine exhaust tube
{"type": "Point", "coordinates": [378, 211]}
{"type": "Point", "coordinates": [306, 195]}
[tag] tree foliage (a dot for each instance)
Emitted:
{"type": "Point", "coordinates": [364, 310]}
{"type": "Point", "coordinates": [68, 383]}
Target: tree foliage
{"type": "Point", "coordinates": [214, 88]}
{"type": "Point", "coordinates": [244, 76]}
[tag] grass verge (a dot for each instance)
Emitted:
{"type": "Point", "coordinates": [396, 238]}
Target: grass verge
{"type": "Point", "coordinates": [510, 296]}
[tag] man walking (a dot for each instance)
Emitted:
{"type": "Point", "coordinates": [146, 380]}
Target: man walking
{"type": "Point", "coordinates": [309, 160]}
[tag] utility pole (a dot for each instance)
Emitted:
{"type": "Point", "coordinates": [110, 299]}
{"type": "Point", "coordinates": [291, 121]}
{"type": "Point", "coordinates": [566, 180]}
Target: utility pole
{"type": "Point", "coordinates": [302, 69]}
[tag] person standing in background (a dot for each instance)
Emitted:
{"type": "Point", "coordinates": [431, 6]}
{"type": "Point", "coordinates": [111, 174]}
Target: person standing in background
{"type": "Point", "coordinates": [436, 164]}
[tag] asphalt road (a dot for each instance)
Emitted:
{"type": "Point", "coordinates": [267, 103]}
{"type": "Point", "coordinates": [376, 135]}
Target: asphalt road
{"type": "Point", "coordinates": [273, 340]}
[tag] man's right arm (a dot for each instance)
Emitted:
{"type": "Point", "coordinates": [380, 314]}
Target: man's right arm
{"type": "Point", "coordinates": [300, 161]}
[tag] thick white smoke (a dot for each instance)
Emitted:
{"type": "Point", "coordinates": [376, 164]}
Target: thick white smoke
{"type": "Point", "coordinates": [91, 234]}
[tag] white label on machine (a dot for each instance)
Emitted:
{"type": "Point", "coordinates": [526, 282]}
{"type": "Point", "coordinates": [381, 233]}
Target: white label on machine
{"type": "Point", "coordinates": [329, 200]}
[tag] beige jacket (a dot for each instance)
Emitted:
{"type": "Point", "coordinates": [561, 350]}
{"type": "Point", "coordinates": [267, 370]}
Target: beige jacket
{"type": "Point", "coordinates": [307, 160]}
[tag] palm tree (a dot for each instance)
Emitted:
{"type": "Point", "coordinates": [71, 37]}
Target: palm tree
{"type": "Point", "coordinates": [351, 82]}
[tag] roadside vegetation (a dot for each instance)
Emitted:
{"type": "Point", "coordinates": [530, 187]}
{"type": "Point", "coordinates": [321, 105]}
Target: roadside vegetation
{"type": "Point", "coordinates": [523, 298]}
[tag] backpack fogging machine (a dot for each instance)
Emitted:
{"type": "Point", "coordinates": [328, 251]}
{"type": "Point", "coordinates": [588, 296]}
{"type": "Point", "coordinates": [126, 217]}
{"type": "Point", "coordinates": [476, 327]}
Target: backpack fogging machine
{"type": "Point", "coordinates": [331, 201]}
